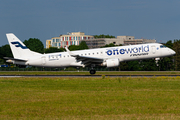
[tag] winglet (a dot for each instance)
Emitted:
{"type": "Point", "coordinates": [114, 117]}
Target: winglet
{"type": "Point", "coordinates": [70, 53]}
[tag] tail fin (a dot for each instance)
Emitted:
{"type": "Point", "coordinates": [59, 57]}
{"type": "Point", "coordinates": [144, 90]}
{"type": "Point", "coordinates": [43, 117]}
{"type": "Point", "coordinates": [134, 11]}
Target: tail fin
{"type": "Point", "coordinates": [19, 50]}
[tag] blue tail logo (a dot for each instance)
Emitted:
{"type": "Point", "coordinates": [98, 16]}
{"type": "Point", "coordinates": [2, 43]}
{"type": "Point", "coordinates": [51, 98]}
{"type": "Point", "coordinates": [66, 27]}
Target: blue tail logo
{"type": "Point", "coordinates": [17, 44]}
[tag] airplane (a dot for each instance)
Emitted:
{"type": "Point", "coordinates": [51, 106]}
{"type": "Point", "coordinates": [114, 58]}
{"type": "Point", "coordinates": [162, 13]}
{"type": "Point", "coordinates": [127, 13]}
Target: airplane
{"type": "Point", "coordinates": [109, 57]}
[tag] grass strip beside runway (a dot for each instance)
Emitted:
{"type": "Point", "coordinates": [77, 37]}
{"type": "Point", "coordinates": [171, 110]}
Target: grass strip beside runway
{"type": "Point", "coordinates": [87, 73]}
{"type": "Point", "coordinates": [90, 98]}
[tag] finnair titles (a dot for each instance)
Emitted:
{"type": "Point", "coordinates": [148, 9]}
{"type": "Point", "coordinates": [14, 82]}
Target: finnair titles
{"type": "Point", "coordinates": [109, 57]}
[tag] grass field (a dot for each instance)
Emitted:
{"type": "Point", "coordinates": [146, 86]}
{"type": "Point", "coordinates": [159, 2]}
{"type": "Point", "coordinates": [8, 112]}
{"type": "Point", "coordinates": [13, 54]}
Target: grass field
{"type": "Point", "coordinates": [90, 98]}
{"type": "Point", "coordinates": [87, 73]}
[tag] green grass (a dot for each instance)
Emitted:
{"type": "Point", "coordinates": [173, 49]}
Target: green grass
{"type": "Point", "coordinates": [90, 98]}
{"type": "Point", "coordinates": [87, 73]}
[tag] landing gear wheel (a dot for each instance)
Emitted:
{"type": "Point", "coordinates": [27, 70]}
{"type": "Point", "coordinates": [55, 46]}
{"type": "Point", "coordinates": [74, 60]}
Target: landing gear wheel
{"type": "Point", "coordinates": [92, 72]}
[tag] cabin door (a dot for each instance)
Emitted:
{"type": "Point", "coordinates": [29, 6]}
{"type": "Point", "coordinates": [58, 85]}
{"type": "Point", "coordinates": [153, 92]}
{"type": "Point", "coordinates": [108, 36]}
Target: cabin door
{"type": "Point", "coordinates": [43, 60]}
{"type": "Point", "coordinates": [153, 49]}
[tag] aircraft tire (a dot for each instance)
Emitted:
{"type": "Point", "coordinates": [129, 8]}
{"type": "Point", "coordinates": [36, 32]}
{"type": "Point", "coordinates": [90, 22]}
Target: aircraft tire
{"type": "Point", "coordinates": [92, 72]}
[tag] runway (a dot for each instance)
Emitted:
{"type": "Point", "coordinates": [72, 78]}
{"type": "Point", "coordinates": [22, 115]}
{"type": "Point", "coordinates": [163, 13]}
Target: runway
{"type": "Point", "coordinates": [81, 76]}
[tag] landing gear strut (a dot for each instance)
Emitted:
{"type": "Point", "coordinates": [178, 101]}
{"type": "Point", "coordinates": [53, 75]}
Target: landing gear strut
{"type": "Point", "coordinates": [92, 71]}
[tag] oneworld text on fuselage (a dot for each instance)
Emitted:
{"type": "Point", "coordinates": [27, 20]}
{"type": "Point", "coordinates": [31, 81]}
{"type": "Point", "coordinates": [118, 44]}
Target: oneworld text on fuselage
{"type": "Point", "coordinates": [117, 51]}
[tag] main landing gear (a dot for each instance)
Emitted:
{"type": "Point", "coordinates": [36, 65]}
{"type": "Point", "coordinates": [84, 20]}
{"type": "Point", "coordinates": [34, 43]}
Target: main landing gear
{"type": "Point", "coordinates": [92, 71]}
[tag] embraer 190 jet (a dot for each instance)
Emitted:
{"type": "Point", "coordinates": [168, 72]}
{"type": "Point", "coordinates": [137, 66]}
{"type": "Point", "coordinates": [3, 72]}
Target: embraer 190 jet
{"type": "Point", "coordinates": [109, 57]}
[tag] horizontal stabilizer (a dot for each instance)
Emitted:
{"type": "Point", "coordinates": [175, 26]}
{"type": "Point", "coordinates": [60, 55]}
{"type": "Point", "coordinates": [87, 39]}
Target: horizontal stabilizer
{"type": "Point", "coordinates": [8, 58]}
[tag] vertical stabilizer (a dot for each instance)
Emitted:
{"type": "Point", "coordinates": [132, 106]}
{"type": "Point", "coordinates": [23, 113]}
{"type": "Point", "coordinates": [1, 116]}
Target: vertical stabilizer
{"type": "Point", "coordinates": [19, 50]}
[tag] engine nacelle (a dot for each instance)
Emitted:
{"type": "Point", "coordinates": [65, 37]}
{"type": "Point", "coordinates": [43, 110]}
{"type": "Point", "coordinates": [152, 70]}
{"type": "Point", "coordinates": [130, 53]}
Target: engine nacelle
{"type": "Point", "coordinates": [111, 63]}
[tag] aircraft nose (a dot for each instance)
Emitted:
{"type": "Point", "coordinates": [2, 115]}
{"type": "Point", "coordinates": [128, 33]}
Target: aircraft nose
{"type": "Point", "coordinates": [172, 52]}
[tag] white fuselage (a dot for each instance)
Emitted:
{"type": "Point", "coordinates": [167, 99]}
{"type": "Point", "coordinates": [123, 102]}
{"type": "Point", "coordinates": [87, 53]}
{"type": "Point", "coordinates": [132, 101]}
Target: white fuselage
{"type": "Point", "coordinates": [122, 53]}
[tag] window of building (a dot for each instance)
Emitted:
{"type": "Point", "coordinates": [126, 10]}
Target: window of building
{"type": "Point", "coordinates": [57, 40]}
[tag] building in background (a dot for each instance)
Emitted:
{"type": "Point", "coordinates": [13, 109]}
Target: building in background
{"type": "Point", "coordinates": [48, 43]}
{"type": "Point", "coordinates": [120, 40]}
{"type": "Point", "coordinates": [73, 38]}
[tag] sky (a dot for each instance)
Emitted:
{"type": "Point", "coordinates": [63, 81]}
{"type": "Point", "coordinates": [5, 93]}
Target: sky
{"type": "Point", "coordinates": [44, 19]}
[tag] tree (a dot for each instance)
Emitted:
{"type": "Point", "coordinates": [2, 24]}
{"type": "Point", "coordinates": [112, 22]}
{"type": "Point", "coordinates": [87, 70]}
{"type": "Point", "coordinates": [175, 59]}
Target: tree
{"type": "Point", "coordinates": [169, 44]}
{"type": "Point", "coordinates": [54, 49]}
{"type": "Point", "coordinates": [5, 51]}
{"type": "Point", "coordinates": [83, 45]}
{"type": "Point", "coordinates": [34, 44]}
{"type": "Point", "coordinates": [133, 65]}
{"type": "Point", "coordinates": [103, 36]}
{"type": "Point", "coordinates": [109, 45]}
{"type": "Point", "coordinates": [176, 47]}
{"type": "Point", "coordinates": [148, 65]}
{"type": "Point", "coordinates": [73, 47]}
{"type": "Point", "coordinates": [123, 66]}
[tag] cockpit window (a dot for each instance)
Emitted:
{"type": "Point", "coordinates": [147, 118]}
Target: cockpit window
{"type": "Point", "coordinates": [162, 46]}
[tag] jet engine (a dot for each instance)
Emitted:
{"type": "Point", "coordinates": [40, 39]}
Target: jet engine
{"type": "Point", "coordinates": [111, 63]}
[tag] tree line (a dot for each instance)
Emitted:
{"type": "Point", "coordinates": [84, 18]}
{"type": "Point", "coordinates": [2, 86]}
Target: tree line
{"type": "Point", "coordinates": [164, 64]}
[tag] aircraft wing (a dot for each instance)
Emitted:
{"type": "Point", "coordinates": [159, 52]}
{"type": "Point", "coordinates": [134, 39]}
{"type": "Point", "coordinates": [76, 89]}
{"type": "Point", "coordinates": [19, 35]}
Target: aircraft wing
{"type": "Point", "coordinates": [85, 59]}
